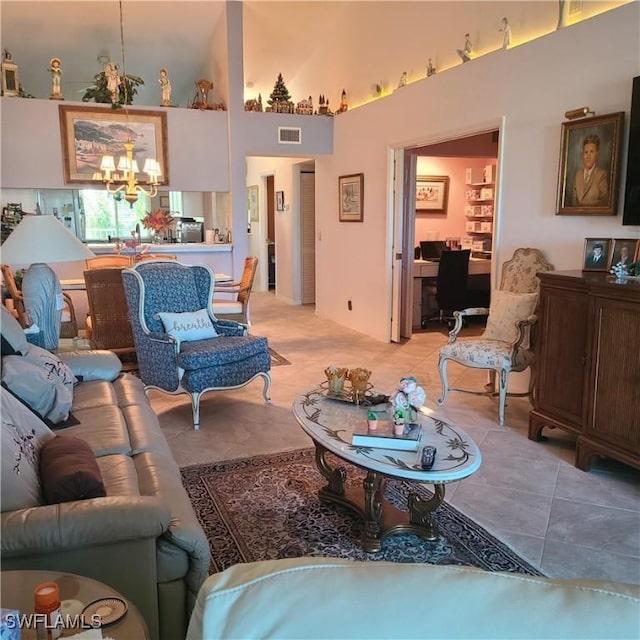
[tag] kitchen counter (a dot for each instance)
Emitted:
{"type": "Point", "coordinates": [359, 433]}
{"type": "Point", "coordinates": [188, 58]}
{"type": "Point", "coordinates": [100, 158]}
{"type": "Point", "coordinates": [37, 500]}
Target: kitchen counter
{"type": "Point", "coordinates": [168, 247]}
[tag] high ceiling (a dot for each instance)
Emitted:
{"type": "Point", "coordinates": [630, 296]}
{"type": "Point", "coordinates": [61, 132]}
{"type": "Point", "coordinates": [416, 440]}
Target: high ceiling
{"type": "Point", "coordinates": [34, 31]}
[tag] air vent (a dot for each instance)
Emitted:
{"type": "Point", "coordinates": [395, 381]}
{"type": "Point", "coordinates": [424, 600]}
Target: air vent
{"type": "Point", "coordinates": [289, 135]}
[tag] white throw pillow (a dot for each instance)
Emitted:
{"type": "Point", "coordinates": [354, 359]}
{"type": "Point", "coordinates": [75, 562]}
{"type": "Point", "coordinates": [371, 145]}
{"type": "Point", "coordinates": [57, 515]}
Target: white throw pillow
{"type": "Point", "coordinates": [506, 309]}
{"type": "Point", "coordinates": [188, 326]}
{"type": "Point", "coordinates": [23, 435]}
{"type": "Point", "coordinates": [48, 396]}
{"type": "Point", "coordinates": [55, 369]}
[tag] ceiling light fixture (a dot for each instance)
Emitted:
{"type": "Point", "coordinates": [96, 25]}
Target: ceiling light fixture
{"type": "Point", "coordinates": [122, 177]}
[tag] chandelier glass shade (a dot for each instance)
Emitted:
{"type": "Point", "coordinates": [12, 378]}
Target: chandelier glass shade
{"type": "Point", "coordinates": [123, 176]}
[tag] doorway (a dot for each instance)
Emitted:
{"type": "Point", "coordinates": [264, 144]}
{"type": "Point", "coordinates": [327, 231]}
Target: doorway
{"type": "Point", "coordinates": [450, 159]}
{"type": "Point", "coordinates": [271, 235]}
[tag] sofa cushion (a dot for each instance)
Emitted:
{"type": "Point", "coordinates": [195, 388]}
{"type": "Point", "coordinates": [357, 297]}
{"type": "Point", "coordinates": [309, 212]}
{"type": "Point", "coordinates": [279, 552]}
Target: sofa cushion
{"type": "Point", "coordinates": [93, 365]}
{"type": "Point", "coordinates": [231, 349]}
{"type": "Point", "coordinates": [103, 429]}
{"type": "Point", "coordinates": [68, 471]}
{"type": "Point", "coordinates": [189, 325]}
{"type": "Point", "coordinates": [387, 600]}
{"type": "Point", "coordinates": [506, 309]}
{"type": "Point", "coordinates": [23, 434]}
{"type": "Point", "coordinates": [12, 332]}
{"type": "Point", "coordinates": [45, 394]}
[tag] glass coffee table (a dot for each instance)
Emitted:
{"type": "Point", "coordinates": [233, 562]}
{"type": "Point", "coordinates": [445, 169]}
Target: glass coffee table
{"type": "Point", "coordinates": [330, 424]}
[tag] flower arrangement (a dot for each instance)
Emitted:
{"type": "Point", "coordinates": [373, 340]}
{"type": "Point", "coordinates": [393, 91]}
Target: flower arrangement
{"type": "Point", "coordinates": [131, 246]}
{"type": "Point", "coordinates": [158, 220]}
{"type": "Point", "coordinates": [407, 399]}
{"type": "Point", "coordinates": [621, 271]}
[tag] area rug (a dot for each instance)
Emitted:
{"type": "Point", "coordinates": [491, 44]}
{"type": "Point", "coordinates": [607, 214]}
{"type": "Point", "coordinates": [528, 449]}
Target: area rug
{"type": "Point", "coordinates": [277, 359]}
{"type": "Point", "coordinates": [267, 507]}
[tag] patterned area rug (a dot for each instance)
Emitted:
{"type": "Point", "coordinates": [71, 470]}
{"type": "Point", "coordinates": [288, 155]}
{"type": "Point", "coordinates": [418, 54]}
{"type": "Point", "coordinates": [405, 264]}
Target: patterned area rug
{"type": "Point", "coordinates": [277, 359]}
{"type": "Point", "coordinates": [267, 507]}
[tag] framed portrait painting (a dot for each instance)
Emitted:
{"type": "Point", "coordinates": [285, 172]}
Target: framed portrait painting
{"type": "Point", "coordinates": [351, 198]}
{"type": "Point", "coordinates": [589, 166]}
{"type": "Point", "coordinates": [432, 194]}
{"type": "Point", "coordinates": [625, 251]}
{"type": "Point", "coordinates": [597, 254]}
{"type": "Point", "coordinates": [88, 133]}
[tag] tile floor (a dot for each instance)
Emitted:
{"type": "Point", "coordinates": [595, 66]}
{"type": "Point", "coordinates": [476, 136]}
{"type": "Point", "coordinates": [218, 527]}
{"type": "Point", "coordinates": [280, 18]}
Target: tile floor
{"type": "Point", "coordinates": [569, 523]}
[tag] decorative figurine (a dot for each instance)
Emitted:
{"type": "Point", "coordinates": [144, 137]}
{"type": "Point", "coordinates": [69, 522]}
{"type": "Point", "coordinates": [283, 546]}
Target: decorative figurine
{"type": "Point", "coordinates": [165, 85]}
{"type": "Point", "coordinates": [430, 69]}
{"type": "Point", "coordinates": [408, 398]}
{"type": "Point", "coordinates": [465, 53]}
{"type": "Point", "coordinates": [201, 100]}
{"type": "Point", "coordinates": [305, 107]}
{"type": "Point", "coordinates": [113, 81]}
{"type": "Point", "coordinates": [372, 420]}
{"type": "Point", "coordinates": [506, 34]}
{"type": "Point", "coordinates": [55, 69]}
{"type": "Point", "coordinates": [253, 104]}
{"type": "Point", "coordinates": [403, 80]}
{"type": "Point", "coordinates": [10, 84]}
{"type": "Point", "coordinates": [343, 102]}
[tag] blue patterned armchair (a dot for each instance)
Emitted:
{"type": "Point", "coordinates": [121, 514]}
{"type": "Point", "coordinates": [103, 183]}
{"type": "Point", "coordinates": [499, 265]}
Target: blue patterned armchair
{"type": "Point", "coordinates": [182, 364]}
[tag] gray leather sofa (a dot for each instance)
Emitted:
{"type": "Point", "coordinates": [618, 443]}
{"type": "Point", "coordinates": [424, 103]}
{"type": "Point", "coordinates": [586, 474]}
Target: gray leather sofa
{"type": "Point", "coordinates": [143, 538]}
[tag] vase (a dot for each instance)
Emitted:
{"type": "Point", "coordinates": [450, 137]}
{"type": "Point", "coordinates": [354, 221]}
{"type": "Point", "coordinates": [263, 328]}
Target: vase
{"type": "Point", "coordinates": [158, 237]}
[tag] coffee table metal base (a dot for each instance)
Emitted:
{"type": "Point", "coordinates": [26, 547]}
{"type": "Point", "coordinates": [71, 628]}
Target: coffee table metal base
{"type": "Point", "coordinates": [381, 518]}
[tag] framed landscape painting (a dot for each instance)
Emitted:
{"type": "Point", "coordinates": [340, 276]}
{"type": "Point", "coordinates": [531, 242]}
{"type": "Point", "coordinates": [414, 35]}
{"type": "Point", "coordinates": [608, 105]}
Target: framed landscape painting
{"type": "Point", "coordinates": [432, 194]}
{"type": "Point", "coordinates": [88, 133]}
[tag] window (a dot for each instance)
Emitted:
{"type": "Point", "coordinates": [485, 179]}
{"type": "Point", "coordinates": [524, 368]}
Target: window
{"type": "Point", "coordinates": [108, 218]}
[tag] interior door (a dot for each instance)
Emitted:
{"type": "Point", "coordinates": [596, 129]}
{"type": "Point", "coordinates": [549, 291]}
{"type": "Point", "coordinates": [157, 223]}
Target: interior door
{"type": "Point", "coordinates": [308, 244]}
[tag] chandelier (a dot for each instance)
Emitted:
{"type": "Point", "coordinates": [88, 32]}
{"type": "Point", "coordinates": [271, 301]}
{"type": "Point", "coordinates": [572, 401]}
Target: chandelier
{"type": "Point", "coordinates": [122, 178]}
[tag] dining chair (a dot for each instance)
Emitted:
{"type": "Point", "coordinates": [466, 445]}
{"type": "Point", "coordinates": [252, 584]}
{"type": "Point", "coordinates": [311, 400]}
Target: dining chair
{"type": "Point", "coordinates": [115, 260]}
{"type": "Point", "coordinates": [156, 256]}
{"type": "Point", "coordinates": [235, 304]}
{"type": "Point", "coordinates": [108, 324]}
{"type": "Point", "coordinates": [68, 323]}
{"type": "Point", "coordinates": [507, 343]}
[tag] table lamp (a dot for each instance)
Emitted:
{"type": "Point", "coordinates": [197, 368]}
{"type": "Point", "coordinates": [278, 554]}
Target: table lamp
{"type": "Point", "coordinates": [38, 240]}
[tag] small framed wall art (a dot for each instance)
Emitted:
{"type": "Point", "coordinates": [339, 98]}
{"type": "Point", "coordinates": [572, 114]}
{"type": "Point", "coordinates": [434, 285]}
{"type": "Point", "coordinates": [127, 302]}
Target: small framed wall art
{"type": "Point", "coordinates": [432, 194]}
{"type": "Point", "coordinates": [279, 200]}
{"type": "Point", "coordinates": [351, 198]}
{"type": "Point", "coordinates": [252, 203]}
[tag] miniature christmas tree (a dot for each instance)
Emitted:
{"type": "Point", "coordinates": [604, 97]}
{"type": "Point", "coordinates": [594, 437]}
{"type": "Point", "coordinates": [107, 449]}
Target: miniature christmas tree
{"type": "Point", "coordinates": [280, 92]}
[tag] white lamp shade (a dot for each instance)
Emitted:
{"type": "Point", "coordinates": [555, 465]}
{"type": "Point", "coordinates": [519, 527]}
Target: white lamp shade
{"type": "Point", "coordinates": [42, 239]}
{"type": "Point", "coordinates": [108, 163]}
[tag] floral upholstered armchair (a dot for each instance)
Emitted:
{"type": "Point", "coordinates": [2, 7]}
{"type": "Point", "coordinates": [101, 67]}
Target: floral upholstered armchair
{"type": "Point", "coordinates": [507, 342]}
{"type": "Point", "coordinates": [181, 346]}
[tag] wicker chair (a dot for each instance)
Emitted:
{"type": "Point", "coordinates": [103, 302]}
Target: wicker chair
{"type": "Point", "coordinates": [108, 325]}
{"type": "Point", "coordinates": [236, 306]}
{"type": "Point", "coordinates": [68, 324]}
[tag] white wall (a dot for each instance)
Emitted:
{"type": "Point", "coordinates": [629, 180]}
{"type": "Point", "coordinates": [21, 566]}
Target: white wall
{"type": "Point", "coordinates": [436, 226]}
{"type": "Point", "coordinates": [526, 90]}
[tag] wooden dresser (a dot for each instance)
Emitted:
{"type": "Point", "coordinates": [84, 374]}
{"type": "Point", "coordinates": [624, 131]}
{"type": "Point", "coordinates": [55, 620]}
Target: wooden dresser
{"type": "Point", "coordinates": [587, 373]}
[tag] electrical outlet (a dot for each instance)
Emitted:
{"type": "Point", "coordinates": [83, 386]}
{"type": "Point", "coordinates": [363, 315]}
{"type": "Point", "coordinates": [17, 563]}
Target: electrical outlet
{"type": "Point", "coordinates": [349, 305]}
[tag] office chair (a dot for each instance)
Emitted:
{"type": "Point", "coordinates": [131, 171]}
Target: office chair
{"type": "Point", "coordinates": [451, 289]}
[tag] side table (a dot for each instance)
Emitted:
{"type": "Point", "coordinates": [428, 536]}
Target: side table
{"type": "Point", "coordinates": [17, 593]}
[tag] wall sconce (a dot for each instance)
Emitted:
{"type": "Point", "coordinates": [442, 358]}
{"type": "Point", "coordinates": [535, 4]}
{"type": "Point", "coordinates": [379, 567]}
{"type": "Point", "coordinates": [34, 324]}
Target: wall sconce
{"type": "Point", "coordinates": [582, 112]}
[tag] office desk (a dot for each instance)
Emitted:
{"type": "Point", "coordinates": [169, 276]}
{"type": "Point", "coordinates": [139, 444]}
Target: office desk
{"type": "Point", "coordinates": [479, 278]}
